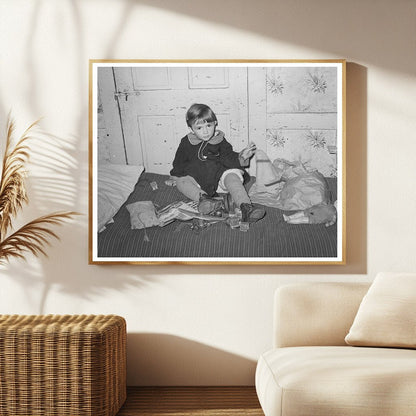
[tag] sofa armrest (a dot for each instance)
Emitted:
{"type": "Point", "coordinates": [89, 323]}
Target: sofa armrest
{"type": "Point", "coordinates": [308, 314]}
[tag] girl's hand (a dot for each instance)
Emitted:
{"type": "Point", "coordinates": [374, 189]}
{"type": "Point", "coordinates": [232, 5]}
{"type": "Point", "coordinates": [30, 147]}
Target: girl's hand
{"type": "Point", "coordinates": [248, 151]}
{"type": "Point", "coordinates": [171, 181]}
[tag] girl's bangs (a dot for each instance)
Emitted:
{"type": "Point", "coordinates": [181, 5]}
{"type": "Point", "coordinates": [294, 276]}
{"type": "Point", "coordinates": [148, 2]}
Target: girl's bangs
{"type": "Point", "coordinates": [205, 119]}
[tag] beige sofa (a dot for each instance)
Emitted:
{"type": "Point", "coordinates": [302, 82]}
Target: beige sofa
{"type": "Point", "coordinates": [312, 371]}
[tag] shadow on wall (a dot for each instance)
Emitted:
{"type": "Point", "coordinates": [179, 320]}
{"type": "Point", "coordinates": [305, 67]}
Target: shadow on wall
{"type": "Point", "coordinates": [161, 359]}
{"type": "Point", "coordinates": [356, 169]}
{"type": "Point", "coordinates": [356, 33]}
{"type": "Point", "coordinates": [60, 178]}
{"type": "Point", "coordinates": [37, 286]}
{"type": "Point", "coordinates": [337, 27]}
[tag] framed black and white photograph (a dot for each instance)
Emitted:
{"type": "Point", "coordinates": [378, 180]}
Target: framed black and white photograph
{"type": "Point", "coordinates": [217, 162]}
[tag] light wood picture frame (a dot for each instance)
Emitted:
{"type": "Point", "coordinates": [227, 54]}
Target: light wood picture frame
{"type": "Point", "coordinates": [294, 111]}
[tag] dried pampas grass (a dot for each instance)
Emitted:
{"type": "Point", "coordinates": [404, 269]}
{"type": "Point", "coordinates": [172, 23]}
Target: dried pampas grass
{"type": "Point", "coordinates": [35, 235]}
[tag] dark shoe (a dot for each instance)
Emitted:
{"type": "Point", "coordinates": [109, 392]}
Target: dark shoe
{"type": "Point", "coordinates": [207, 205]}
{"type": "Point", "coordinates": [250, 213]}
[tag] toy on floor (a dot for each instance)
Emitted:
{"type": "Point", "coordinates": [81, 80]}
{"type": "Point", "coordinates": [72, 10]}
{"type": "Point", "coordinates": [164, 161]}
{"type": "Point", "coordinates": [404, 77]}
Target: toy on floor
{"type": "Point", "coordinates": [318, 214]}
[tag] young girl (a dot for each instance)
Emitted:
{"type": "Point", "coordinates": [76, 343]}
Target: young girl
{"type": "Point", "coordinates": [205, 164]}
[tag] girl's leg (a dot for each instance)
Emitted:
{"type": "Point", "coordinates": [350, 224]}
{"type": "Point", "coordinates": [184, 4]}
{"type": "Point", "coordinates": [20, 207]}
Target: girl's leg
{"type": "Point", "coordinates": [234, 185]}
{"type": "Point", "coordinates": [189, 187]}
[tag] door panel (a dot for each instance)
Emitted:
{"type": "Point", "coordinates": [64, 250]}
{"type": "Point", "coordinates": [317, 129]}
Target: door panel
{"type": "Point", "coordinates": [157, 132]}
{"type": "Point", "coordinates": [208, 78]}
{"type": "Point", "coordinates": [152, 79]}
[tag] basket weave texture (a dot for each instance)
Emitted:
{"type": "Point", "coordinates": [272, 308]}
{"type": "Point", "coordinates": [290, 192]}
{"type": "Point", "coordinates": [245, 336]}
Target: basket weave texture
{"type": "Point", "coordinates": [52, 365]}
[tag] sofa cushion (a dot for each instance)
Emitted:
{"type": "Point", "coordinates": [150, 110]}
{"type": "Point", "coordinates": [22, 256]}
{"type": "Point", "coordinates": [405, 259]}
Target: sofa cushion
{"type": "Point", "coordinates": [304, 381]}
{"type": "Point", "coordinates": [387, 314]}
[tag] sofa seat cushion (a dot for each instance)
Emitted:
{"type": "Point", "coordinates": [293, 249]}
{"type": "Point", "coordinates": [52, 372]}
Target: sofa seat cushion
{"type": "Point", "coordinates": [342, 380]}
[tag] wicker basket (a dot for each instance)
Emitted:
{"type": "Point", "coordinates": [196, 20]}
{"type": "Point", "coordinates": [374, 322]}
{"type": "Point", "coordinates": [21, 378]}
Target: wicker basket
{"type": "Point", "coordinates": [71, 365]}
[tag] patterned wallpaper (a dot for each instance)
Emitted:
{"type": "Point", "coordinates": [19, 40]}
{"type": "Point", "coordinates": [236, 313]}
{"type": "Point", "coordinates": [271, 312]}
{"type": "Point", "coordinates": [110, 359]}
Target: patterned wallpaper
{"type": "Point", "coordinates": [302, 116]}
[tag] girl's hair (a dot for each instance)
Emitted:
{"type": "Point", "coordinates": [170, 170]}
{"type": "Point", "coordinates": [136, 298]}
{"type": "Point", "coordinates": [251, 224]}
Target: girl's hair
{"type": "Point", "coordinates": [199, 112]}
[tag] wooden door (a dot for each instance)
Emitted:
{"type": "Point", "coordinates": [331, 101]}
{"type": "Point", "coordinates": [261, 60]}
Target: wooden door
{"type": "Point", "coordinates": [153, 102]}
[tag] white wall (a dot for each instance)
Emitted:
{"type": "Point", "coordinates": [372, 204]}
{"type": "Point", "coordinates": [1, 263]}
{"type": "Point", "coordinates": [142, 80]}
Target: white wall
{"type": "Point", "coordinates": [188, 324]}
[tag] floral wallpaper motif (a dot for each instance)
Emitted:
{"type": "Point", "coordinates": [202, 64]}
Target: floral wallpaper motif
{"type": "Point", "coordinates": [316, 139]}
{"type": "Point", "coordinates": [275, 138]}
{"type": "Point", "coordinates": [302, 116]}
{"type": "Point", "coordinates": [274, 84]}
{"type": "Point", "coordinates": [317, 83]}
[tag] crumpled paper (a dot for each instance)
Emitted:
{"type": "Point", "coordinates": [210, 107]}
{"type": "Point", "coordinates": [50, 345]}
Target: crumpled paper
{"type": "Point", "coordinates": [142, 215]}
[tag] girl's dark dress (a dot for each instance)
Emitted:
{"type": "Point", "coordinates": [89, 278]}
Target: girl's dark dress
{"type": "Point", "coordinates": [206, 161]}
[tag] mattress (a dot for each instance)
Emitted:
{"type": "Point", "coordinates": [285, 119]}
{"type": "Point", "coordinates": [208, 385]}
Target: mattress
{"type": "Point", "coordinates": [271, 239]}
